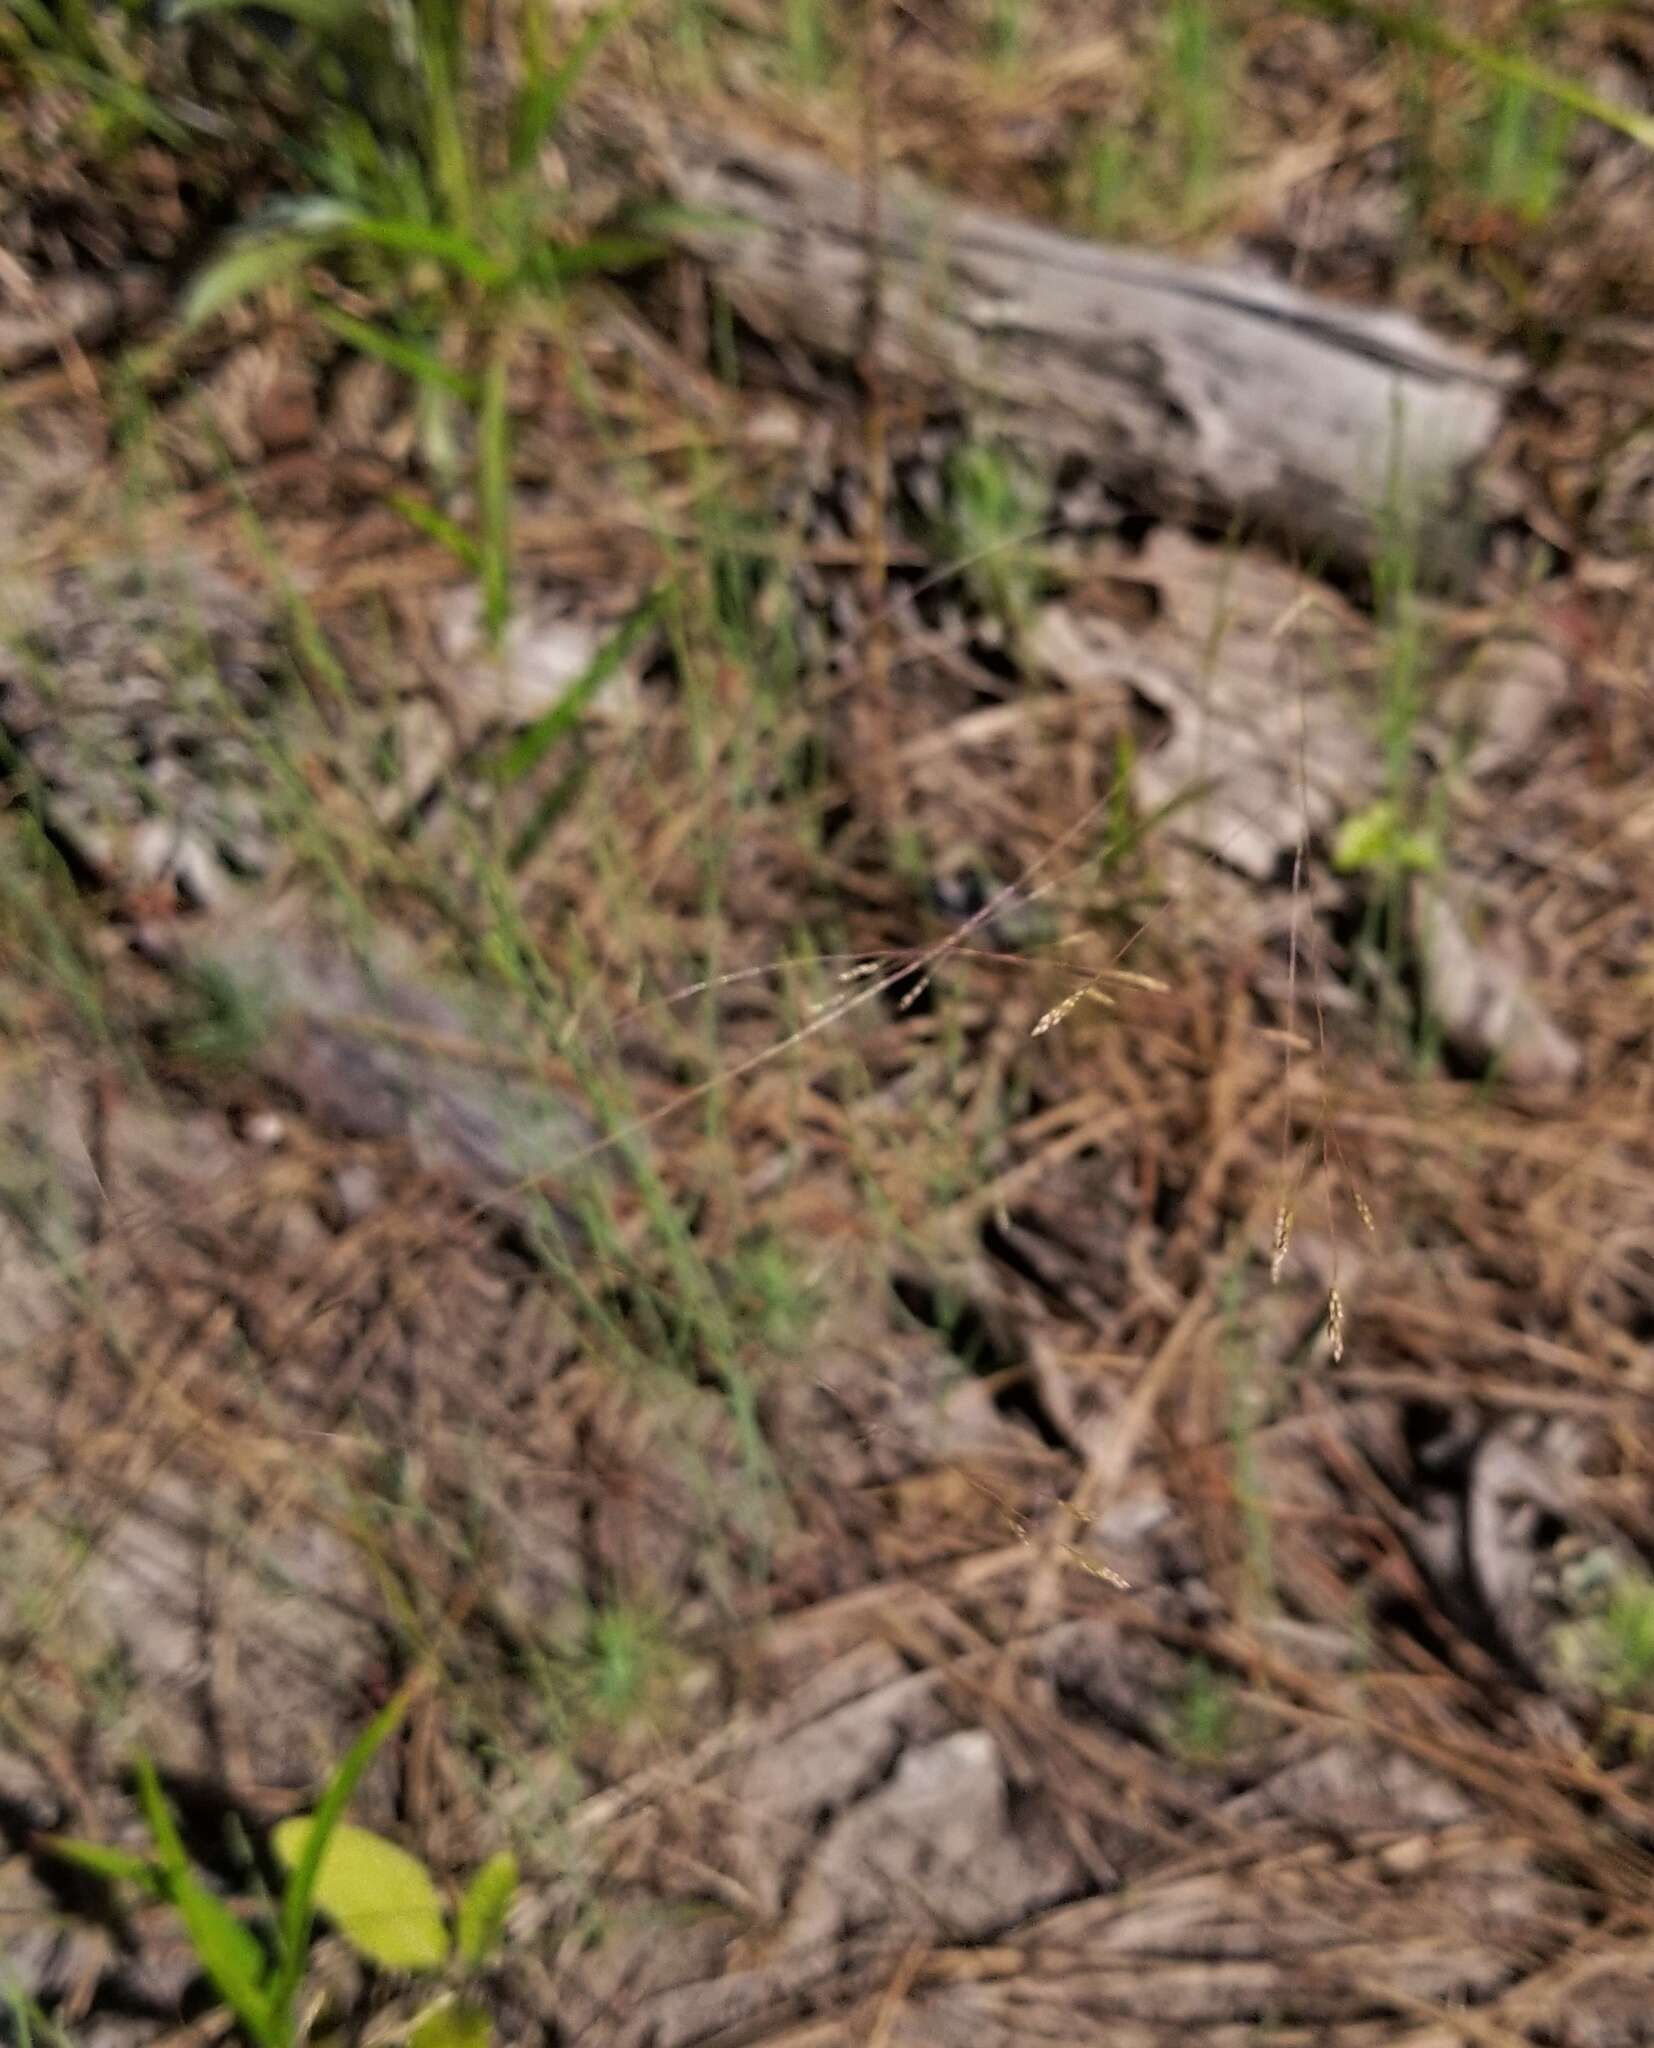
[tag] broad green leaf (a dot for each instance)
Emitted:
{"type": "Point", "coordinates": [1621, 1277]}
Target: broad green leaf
{"type": "Point", "coordinates": [379, 1897]}
{"type": "Point", "coordinates": [248, 265]}
{"type": "Point", "coordinates": [115, 1866]}
{"type": "Point", "coordinates": [1366, 838]}
{"type": "Point", "coordinates": [450, 2024]}
{"type": "Point", "coordinates": [481, 1919]}
{"type": "Point", "coordinates": [535, 741]}
{"type": "Point", "coordinates": [1378, 840]}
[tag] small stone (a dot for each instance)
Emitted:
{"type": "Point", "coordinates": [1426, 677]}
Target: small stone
{"type": "Point", "coordinates": [775, 425]}
{"type": "Point", "coordinates": [1407, 1858]}
{"type": "Point", "coordinates": [265, 1129]}
{"type": "Point", "coordinates": [358, 1190]}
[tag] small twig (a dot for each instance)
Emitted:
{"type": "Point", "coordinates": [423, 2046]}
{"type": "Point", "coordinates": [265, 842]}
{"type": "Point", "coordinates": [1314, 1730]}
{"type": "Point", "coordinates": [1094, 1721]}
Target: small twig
{"type": "Point", "coordinates": [873, 726]}
{"type": "Point", "coordinates": [894, 1995]}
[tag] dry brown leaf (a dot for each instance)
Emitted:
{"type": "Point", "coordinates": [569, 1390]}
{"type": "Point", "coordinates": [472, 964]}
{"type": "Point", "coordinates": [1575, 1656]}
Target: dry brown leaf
{"type": "Point", "coordinates": [1267, 737]}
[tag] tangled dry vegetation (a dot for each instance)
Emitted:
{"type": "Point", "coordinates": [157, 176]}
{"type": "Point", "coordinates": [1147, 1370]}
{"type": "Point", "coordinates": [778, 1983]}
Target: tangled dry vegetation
{"type": "Point", "coordinates": [542, 1165]}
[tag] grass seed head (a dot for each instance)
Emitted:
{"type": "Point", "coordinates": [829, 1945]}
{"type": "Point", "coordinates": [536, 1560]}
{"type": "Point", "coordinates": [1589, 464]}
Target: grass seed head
{"type": "Point", "coordinates": [1282, 1239]}
{"type": "Point", "coordinates": [1069, 1004]}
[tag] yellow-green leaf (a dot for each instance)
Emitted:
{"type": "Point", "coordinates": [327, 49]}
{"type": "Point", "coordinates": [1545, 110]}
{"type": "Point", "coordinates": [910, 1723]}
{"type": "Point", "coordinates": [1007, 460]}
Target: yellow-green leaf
{"type": "Point", "coordinates": [451, 2024]}
{"type": "Point", "coordinates": [379, 1897]}
{"type": "Point", "coordinates": [1366, 839]}
{"type": "Point", "coordinates": [1378, 840]}
{"type": "Point", "coordinates": [482, 1911]}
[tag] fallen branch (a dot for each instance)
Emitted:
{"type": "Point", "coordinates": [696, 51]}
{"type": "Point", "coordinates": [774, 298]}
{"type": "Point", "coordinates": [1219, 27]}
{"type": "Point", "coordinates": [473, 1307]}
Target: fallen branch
{"type": "Point", "coordinates": [1205, 394]}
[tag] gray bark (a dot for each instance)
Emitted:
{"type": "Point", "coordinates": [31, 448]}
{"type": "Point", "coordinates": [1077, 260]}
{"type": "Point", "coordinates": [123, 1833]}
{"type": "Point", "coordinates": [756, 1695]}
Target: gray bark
{"type": "Point", "coordinates": [1204, 393]}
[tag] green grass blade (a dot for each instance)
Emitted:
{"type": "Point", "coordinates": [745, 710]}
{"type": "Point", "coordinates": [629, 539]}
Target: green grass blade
{"type": "Point", "coordinates": [31, 2026]}
{"type": "Point", "coordinates": [1423, 31]}
{"type": "Point", "coordinates": [228, 1952]}
{"type": "Point", "coordinates": [327, 17]}
{"type": "Point", "coordinates": [540, 104]}
{"type": "Point", "coordinates": [246, 266]}
{"type": "Point", "coordinates": [406, 237]}
{"type": "Point", "coordinates": [535, 741]}
{"type": "Point", "coordinates": [120, 97]}
{"type": "Point", "coordinates": [299, 1897]}
{"type": "Point", "coordinates": [595, 257]}
{"type": "Point", "coordinates": [319, 223]}
{"type": "Point", "coordinates": [494, 488]}
{"type": "Point", "coordinates": [422, 364]}
{"type": "Point", "coordinates": [441, 60]}
{"type": "Point", "coordinates": [439, 527]}
{"type": "Point", "coordinates": [556, 804]}
{"type": "Point", "coordinates": [114, 1866]}
{"type": "Point", "coordinates": [19, 2015]}
{"type": "Point", "coordinates": [169, 1846]}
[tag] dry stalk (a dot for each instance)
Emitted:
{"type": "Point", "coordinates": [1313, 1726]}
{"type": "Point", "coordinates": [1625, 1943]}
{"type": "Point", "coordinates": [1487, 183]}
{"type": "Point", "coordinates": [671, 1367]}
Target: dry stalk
{"type": "Point", "coordinates": [873, 730]}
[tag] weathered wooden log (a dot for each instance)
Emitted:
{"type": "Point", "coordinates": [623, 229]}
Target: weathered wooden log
{"type": "Point", "coordinates": [1204, 394]}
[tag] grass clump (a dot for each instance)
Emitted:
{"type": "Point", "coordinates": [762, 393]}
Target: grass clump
{"type": "Point", "coordinates": [811, 45]}
{"type": "Point", "coordinates": [97, 53]}
{"type": "Point", "coordinates": [1522, 161]}
{"type": "Point", "coordinates": [1163, 171]}
{"type": "Point", "coordinates": [1610, 1650]}
{"type": "Point", "coordinates": [220, 1021]}
{"type": "Point", "coordinates": [382, 1900]}
{"type": "Point", "coordinates": [431, 207]}
{"type": "Point", "coordinates": [991, 516]}
{"type": "Point", "coordinates": [1628, 1634]}
{"type": "Point", "coordinates": [1203, 1724]}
